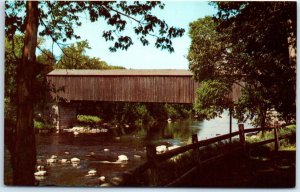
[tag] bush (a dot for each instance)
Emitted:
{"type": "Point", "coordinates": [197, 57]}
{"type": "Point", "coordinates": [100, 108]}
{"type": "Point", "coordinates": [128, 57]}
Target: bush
{"type": "Point", "coordinates": [37, 124]}
{"type": "Point", "coordinates": [290, 129]}
{"type": "Point", "coordinates": [288, 142]}
{"type": "Point", "coordinates": [41, 125]}
{"type": "Point", "coordinates": [88, 119]}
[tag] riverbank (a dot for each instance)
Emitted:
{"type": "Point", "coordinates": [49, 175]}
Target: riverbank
{"type": "Point", "coordinates": [260, 170]}
{"type": "Point", "coordinates": [230, 165]}
{"type": "Point", "coordinates": [260, 167]}
{"type": "Point", "coordinates": [100, 152]}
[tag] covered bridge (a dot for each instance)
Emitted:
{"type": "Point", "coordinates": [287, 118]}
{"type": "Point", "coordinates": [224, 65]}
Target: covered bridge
{"type": "Point", "coordinates": [167, 86]}
{"type": "Point", "coordinates": [163, 86]}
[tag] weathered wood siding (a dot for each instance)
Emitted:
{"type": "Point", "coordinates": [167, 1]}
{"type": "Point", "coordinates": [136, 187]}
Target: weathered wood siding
{"type": "Point", "coordinates": [168, 89]}
{"type": "Point", "coordinates": [66, 115]}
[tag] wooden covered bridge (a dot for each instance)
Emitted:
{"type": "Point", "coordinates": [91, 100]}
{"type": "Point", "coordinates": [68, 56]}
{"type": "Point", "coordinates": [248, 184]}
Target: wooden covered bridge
{"type": "Point", "coordinates": [160, 86]}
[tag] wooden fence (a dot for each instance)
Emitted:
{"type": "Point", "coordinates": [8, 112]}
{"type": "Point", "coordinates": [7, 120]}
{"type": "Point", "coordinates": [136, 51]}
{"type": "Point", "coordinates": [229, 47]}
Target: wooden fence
{"type": "Point", "coordinates": [129, 178]}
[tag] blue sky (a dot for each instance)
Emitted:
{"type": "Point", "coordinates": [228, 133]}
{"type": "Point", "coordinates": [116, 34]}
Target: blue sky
{"type": "Point", "coordinates": [177, 13]}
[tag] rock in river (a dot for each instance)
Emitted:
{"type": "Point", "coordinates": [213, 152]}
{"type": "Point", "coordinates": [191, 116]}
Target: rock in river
{"type": "Point", "coordinates": [92, 172]}
{"type": "Point", "coordinates": [137, 157]}
{"type": "Point", "coordinates": [64, 161]}
{"type": "Point", "coordinates": [49, 161]}
{"type": "Point", "coordinates": [161, 149]}
{"type": "Point", "coordinates": [75, 160]}
{"type": "Point", "coordinates": [122, 158]}
{"type": "Point", "coordinates": [40, 173]}
{"type": "Point", "coordinates": [102, 178]}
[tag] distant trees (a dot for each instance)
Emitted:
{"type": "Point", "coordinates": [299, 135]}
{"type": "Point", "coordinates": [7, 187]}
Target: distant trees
{"type": "Point", "coordinates": [74, 57]}
{"type": "Point", "coordinates": [136, 113]}
{"type": "Point", "coordinates": [249, 42]}
{"type": "Point", "coordinates": [13, 54]}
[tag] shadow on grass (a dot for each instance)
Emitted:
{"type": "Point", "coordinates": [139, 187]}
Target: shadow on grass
{"type": "Point", "coordinates": [262, 169]}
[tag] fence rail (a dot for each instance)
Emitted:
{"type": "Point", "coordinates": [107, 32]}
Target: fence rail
{"type": "Point", "coordinates": [153, 159]}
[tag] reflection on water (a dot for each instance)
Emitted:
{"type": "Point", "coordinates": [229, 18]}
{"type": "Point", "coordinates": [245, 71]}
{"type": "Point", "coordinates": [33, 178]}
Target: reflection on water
{"type": "Point", "coordinates": [100, 152]}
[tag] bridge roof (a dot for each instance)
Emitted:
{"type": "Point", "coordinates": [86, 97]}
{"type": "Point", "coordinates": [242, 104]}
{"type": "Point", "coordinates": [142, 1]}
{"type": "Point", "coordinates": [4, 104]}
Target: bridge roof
{"type": "Point", "coordinates": [120, 72]}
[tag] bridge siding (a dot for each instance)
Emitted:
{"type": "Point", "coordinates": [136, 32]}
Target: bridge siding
{"type": "Point", "coordinates": [170, 89]}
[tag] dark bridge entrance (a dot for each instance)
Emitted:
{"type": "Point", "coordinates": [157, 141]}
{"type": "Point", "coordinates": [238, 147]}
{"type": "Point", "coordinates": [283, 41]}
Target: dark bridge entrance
{"type": "Point", "coordinates": [160, 86]}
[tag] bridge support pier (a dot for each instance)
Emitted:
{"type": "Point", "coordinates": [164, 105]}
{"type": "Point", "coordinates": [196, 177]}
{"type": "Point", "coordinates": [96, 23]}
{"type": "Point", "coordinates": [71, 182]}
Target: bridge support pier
{"type": "Point", "coordinates": [66, 115]}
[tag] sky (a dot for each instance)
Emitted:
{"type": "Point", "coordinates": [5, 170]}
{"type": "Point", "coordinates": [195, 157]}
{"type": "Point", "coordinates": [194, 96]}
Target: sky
{"type": "Point", "coordinates": [176, 13]}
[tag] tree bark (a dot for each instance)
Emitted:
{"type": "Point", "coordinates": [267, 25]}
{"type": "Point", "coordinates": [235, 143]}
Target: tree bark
{"type": "Point", "coordinates": [24, 150]}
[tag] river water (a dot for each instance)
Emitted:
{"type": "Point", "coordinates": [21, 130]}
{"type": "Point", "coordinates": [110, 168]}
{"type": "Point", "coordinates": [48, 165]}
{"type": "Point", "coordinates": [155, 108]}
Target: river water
{"type": "Point", "coordinates": [100, 151]}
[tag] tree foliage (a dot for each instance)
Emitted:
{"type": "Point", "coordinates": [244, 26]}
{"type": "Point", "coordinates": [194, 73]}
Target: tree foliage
{"type": "Point", "coordinates": [207, 57]}
{"type": "Point", "coordinates": [252, 44]}
{"type": "Point", "coordinates": [13, 53]}
{"type": "Point", "coordinates": [135, 113]}
{"type": "Point", "coordinates": [268, 31]}
{"type": "Point", "coordinates": [212, 99]}
{"type": "Point", "coordinates": [58, 19]}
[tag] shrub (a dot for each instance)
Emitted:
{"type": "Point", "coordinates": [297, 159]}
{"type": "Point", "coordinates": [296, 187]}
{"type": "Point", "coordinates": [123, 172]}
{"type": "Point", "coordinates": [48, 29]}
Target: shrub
{"type": "Point", "coordinates": [88, 119]}
{"type": "Point", "coordinates": [37, 124]}
{"type": "Point", "coordinates": [290, 129]}
{"type": "Point", "coordinates": [41, 125]}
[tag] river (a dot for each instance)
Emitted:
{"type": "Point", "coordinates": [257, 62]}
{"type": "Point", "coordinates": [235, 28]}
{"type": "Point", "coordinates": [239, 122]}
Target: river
{"type": "Point", "coordinates": [100, 151]}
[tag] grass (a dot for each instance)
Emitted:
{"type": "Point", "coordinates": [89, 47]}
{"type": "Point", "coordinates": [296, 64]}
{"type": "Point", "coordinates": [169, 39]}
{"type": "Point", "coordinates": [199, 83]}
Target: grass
{"type": "Point", "coordinates": [289, 129]}
{"type": "Point", "coordinates": [178, 165]}
{"type": "Point", "coordinates": [289, 148]}
{"type": "Point", "coordinates": [235, 169]}
{"type": "Point", "coordinates": [264, 170]}
{"type": "Point", "coordinates": [89, 119]}
{"type": "Point", "coordinates": [286, 143]}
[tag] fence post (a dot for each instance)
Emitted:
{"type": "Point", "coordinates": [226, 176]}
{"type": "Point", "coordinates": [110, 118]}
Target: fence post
{"type": "Point", "coordinates": [196, 150]}
{"type": "Point", "coordinates": [276, 139]}
{"type": "Point", "coordinates": [242, 136]}
{"type": "Point", "coordinates": [151, 157]}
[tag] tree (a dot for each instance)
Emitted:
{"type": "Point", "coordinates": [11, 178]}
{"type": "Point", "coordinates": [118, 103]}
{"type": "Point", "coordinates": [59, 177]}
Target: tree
{"type": "Point", "coordinates": [211, 99]}
{"type": "Point", "coordinates": [74, 57]}
{"type": "Point", "coordinates": [13, 52]}
{"type": "Point", "coordinates": [57, 20]}
{"type": "Point", "coordinates": [252, 43]}
{"type": "Point", "coordinates": [207, 57]}
{"type": "Point", "coordinates": [268, 32]}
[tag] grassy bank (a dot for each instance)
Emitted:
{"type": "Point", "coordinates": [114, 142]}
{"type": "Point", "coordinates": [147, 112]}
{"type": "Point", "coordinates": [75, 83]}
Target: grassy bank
{"type": "Point", "coordinates": [259, 167]}
{"type": "Point", "coordinates": [288, 143]}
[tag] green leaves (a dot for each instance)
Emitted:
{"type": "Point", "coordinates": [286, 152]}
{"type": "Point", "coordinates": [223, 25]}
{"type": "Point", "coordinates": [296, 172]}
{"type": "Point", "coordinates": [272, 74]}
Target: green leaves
{"type": "Point", "coordinates": [58, 19]}
{"type": "Point", "coordinates": [206, 51]}
{"type": "Point", "coordinates": [212, 99]}
{"type": "Point", "coordinates": [253, 43]}
{"type": "Point", "coordinates": [14, 18]}
{"type": "Point", "coordinates": [264, 29]}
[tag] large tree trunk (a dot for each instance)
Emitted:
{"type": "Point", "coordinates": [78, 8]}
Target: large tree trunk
{"type": "Point", "coordinates": [24, 150]}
